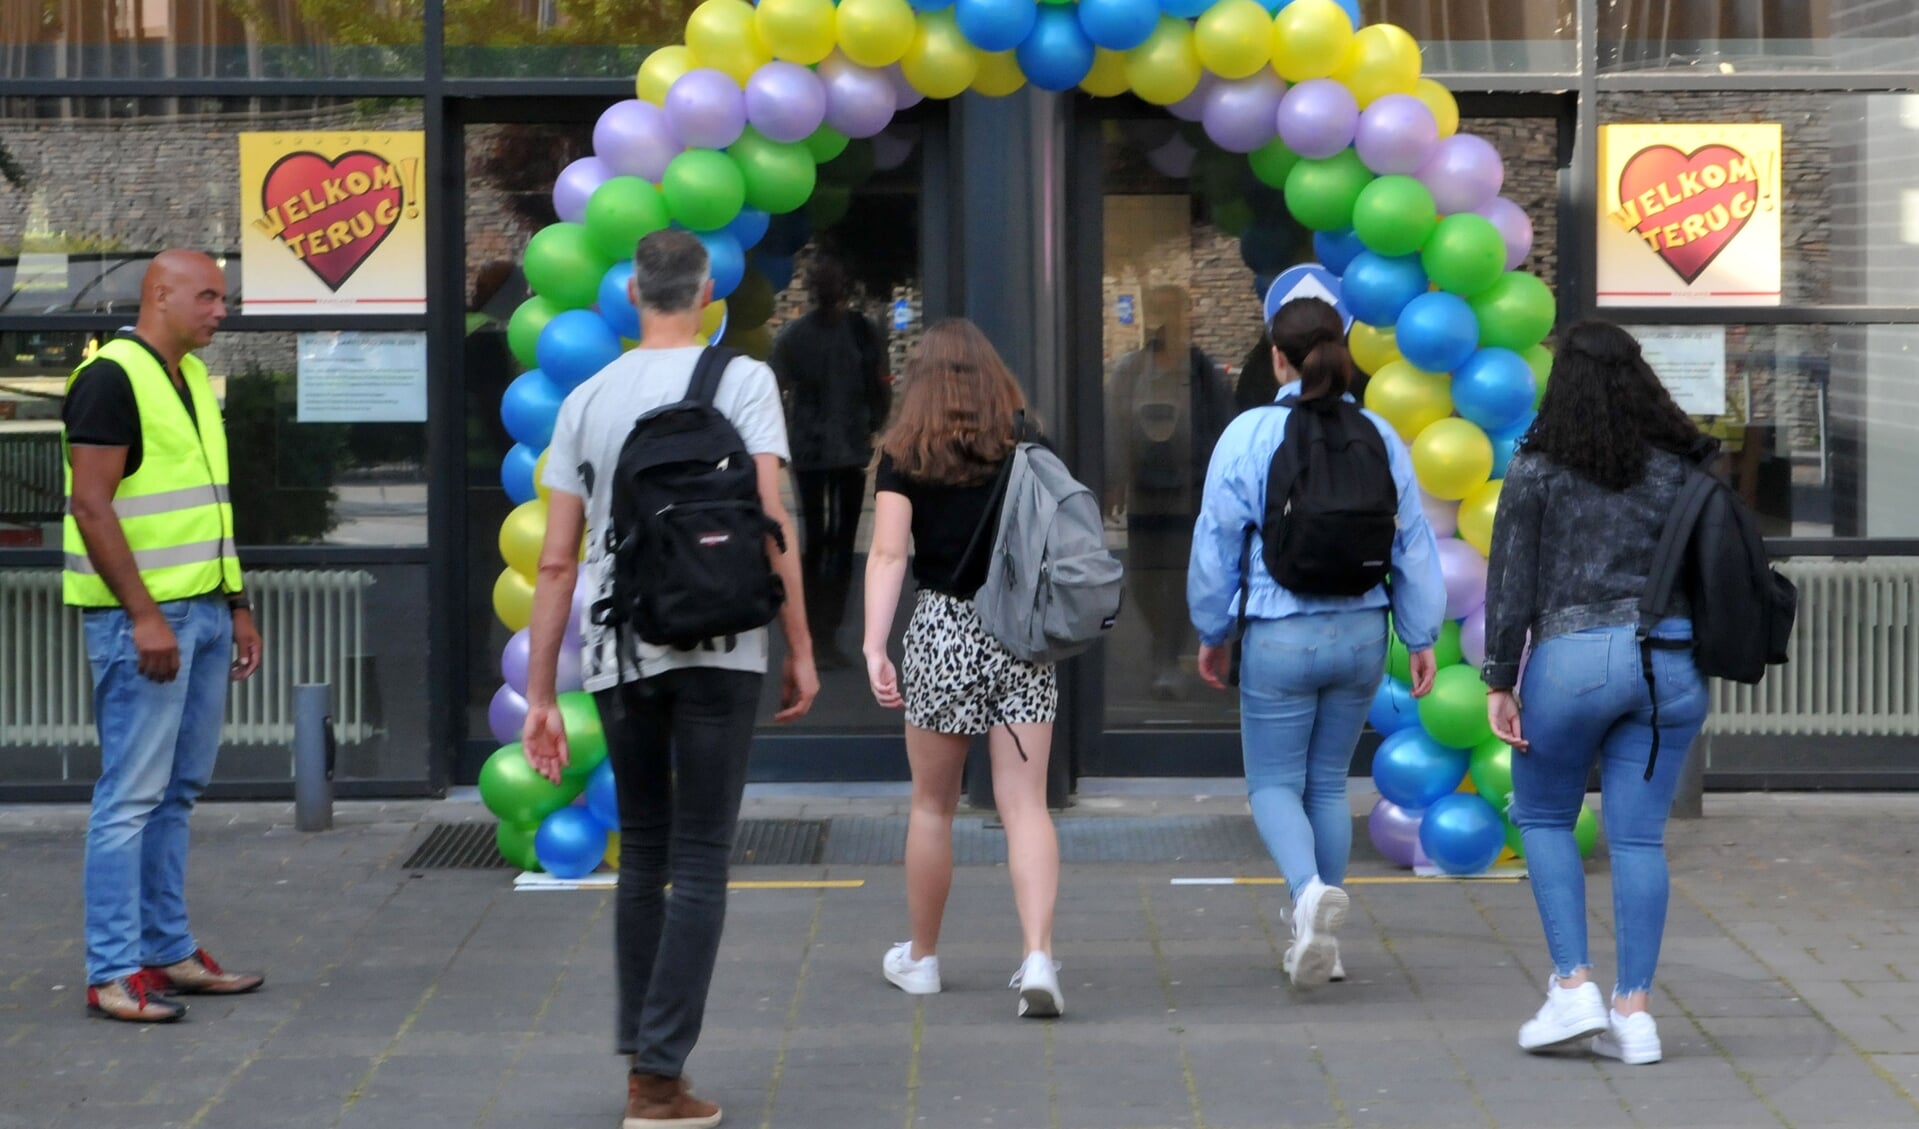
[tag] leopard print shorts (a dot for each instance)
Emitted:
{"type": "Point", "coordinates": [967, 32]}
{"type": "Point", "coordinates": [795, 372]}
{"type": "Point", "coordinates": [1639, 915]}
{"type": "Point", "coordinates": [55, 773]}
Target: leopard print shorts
{"type": "Point", "coordinates": [956, 678]}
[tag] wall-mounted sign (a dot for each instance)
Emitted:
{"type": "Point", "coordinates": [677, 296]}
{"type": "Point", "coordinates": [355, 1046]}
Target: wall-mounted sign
{"type": "Point", "coordinates": [1690, 215]}
{"type": "Point", "coordinates": [333, 222]}
{"type": "Point", "coordinates": [1690, 360]}
{"type": "Point", "coordinates": [361, 377]}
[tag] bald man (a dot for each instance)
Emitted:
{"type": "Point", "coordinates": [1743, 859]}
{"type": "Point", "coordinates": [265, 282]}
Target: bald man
{"type": "Point", "coordinates": [151, 561]}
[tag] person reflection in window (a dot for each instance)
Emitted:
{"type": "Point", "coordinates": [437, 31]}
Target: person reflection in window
{"type": "Point", "coordinates": [1166, 405]}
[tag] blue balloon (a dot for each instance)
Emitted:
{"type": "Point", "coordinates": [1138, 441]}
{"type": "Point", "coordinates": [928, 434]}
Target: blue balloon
{"type": "Point", "coordinates": [1337, 249]}
{"type": "Point", "coordinates": [1462, 833]}
{"type": "Point", "coordinates": [749, 227]}
{"type": "Point", "coordinates": [931, 5]}
{"type": "Point", "coordinates": [570, 843]}
{"type": "Point", "coordinates": [786, 234]}
{"type": "Point", "coordinates": [1394, 708]}
{"type": "Point", "coordinates": [1437, 331]}
{"type": "Point", "coordinates": [529, 407]}
{"type": "Point", "coordinates": [778, 269]}
{"type": "Point", "coordinates": [1413, 770]}
{"type": "Point", "coordinates": [1506, 442]}
{"type": "Point", "coordinates": [1118, 25]}
{"type": "Point", "coordinates": [1494, 389]}
{"type": "Point", "coordinates": [997, 25]}
{"type": "Point", "coordinates": [1377, 288]}
{"type": "Point", "coordinates": [725, 261]}
{"type": "Point", "coordinates": [516, 473]}
{"type": "Point", "coordinates": [616, 302]}
{"type": "Point", "coordinates": [1057, 55]}
{"type": "Point", "coordinates": [603, 796]}
{"type": "Point", "coordinates": [575, 345]}
{"type": "Point", "coordinates": [1185, 9]}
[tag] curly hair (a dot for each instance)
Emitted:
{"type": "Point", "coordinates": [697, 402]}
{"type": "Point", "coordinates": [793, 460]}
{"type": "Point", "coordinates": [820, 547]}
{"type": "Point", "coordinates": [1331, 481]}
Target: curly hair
{"type": "Point", "coordinates": [1605, 409]}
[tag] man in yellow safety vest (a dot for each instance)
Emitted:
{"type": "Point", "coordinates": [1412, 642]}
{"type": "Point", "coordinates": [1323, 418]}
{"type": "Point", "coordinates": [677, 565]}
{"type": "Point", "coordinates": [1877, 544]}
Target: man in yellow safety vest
{"type": "Point", "coordinates": [150, 558]}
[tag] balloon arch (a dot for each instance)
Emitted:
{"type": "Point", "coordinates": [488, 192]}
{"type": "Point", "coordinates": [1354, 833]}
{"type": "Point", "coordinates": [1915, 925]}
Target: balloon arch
{"type": "Point", "coordinates": [735, 131]}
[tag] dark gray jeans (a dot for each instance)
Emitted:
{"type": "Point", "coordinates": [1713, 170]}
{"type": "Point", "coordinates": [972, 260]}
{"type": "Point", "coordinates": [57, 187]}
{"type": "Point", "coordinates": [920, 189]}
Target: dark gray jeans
{"type": "Point", "coordinates": [678, 742]}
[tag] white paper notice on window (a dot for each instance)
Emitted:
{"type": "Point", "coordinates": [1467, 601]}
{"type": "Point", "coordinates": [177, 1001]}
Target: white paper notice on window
{"type": "Point", "coordinates": [362, 376]}
{"type": "Point", "coordinates": [1690, 361]}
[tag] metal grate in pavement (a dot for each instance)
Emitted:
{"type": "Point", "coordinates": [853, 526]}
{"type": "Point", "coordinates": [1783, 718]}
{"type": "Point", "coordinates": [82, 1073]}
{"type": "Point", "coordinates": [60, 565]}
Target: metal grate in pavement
{"type": "Point", "coordinates": [779, 842]}
{"type": "Point", "coordinates": [458, 846]}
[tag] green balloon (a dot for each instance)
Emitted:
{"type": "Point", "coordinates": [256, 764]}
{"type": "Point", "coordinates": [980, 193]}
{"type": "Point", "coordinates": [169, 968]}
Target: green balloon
{"type": "Point", "coordinates": [1491, 767]}
{"type": "Point", "coordinates": [1272, 163]}
{"type": "Point", "coordinates": [512, 790]}
{"type": "Point", "coordinates": [1233, 217]}
{"type": "Point", "coordinates": [1586, 831]}
{"type": "Point", "coordinates": [585, 736]}
{"type": "Point", "coordinates": [829, 205]}
{"type": "Point", "coordinates": [704, 189]}
{"type": "Point", "coordinates": [623, 211]}
{"type": "Point", "coordinates": [1516, 313]}
{"type": "Point", "coordinates": [563, 267]}
{"type": "Point", "coordinates": [826, 143]}
{"type": "Point", "coordinates": [1454, 714]}
{"type": "Point", "coordinates": [523, 328]}
{"type": "Point", "coordinates": [515, 841]}
{"type": "Point", "coordinates": [854, 165]}
{"type": "Point", "coordinates": [1321, 194]}
{"type": "Point", "coordinates": [1541, 360]}
{"type": "Point", "coordinates": [1466, 255]}
{"type": "Point", "coordinates": [1395, 215]}
{"type": "Point", "coordinates": [1446, 652]}
{"type": "Point", "coordinates": [779, 175]}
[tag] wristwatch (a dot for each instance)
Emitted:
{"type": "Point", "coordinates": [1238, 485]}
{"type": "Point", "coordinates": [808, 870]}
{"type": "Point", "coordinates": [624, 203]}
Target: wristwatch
{"type": "Point", "coordinates": [239, 603]}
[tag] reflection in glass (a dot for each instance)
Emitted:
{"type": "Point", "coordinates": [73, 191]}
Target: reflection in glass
{"type": "Point", "coordinates": [1762, 35]}
{"type": "Point", "coordinates": [544, 38]}
{"type": "Point", "coordinates": [1473, 36]}
{"type": "Point", "coordinates": [211, 39]}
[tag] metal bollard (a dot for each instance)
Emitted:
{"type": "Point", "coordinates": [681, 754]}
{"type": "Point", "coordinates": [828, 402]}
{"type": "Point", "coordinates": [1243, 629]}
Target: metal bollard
{"type": "Point", "coordinates": [313, 751]}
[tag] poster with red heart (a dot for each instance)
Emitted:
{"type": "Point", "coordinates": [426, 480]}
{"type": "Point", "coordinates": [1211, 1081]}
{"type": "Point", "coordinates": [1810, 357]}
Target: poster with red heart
{"type": "Point", "coordinates": [1689, 215]}
{"type": "Point", "coordinates": [333, 222]}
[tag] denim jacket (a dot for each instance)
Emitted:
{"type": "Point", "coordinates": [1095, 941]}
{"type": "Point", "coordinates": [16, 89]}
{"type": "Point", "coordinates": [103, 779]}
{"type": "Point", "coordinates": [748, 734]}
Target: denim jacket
{"type": "Point", "coordinates": [1235, 498]}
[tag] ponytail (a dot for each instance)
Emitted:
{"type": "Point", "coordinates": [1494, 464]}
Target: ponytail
{"type": "Point", "coordinates": [1311, 335]}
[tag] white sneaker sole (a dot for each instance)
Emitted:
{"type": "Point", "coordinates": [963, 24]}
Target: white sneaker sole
{"type": "Point", "coordinates": [908, 984]}
{"type": "Point", "coordinates": [1605, 1047]}
{"type": "Point", "coordinates": [1555, 1039]}
{"type": "Point", "coordinates": [1039, 1003]}
{"type": "Point", "coordinates": [1314, 965]}
{"type": "Point", "coordinates": [670, 1122]}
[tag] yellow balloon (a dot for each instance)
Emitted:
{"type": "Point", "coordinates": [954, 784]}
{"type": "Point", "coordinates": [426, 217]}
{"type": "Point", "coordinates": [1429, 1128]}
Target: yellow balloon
{"type": "Point", "coordinates": [660, 71]}
{"type": "Point", "coordinates": [1108, 78]}
{"type": "Point", "coordinates": [539, 477]}
{"type": "Point", "coordinates": [612, 856]}
{"type": "Point", "coordinates": [999, 74]}
{"type": "Point", "coordinates": [513, 599]}
{"type": "Point", "coordinates": [1476, 513]}
{"type": "Point", "coordinates": [1373, 348]}
{"type": "Point", "coordinates": [940, 63]}
{"type": "Point", "coordinates": [1441, 102]}
{"type": "Point", "coordinates": [1467, 787]}
{"type": "Point", "coordinates": [1410, 399]}
{"type": "Point", "coordinates": [723, 34]}
{"type": "Point", "coordinates": [799, 31]}
{"type": "Point", "coordinates": [875, 33]}
{"type": "Point", "coordinates": [1385, 60]}
{"type": "Point", "coordinates": [521, 535]}
{"type": "Point", "coordinates": [1311, 39]}
{"type": "Point", "coordinates": [712, 316]}
{"type": "Point", "coordinates": [1166, 67]}
{"type": "Point", "coordinates": [1234, 38]}
{"type": "Point", "coordinates": [1452, 459]}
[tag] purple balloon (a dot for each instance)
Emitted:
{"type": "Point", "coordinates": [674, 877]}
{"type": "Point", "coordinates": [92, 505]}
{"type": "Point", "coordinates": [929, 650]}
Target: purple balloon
{"type": "Point", "coordinates": [515, 656]}
{"type": "Point", "coordinates": [785, 101]}
{"type": "Point", "coordinates": [1465, 573]}
{"type": "Point", "coordinates": [707, 109]}
{"type": "Point", "coordinates": [506, 715]}
{"type": "Point", "coordinates": [859, 100]}
{"type": "Point", "coordinates": [1464, 174]}
{"type": "Point", "coordinates": [1515, 227]}
{"type": "Point", "coordinates": [1472, 638]}
{"type": "Point", "coordinates": [1193, 107]}
{"type": "Point", "coordinates": [1241, 115]}
{"type": "Point", "coordinates": [1396, 135]}
{"type": "Point", "coordinates": [1442, 515]}
{"type": "Point", "coordinates": [1394, 832]}
{"type": "Point", "coordinates": [575, 187]}
{"type": "Point", "coordinates": [1317, 118]}
{"type": "Point", "coordinates": [634, 138]}
{"type": "Point", "coordinates": [905, 95]}
{"type": "Point", "coordinates": [1174, 159]}
{"type": "Point", "coordinates": [891, 150]}
{"type": "Point", "coordinates": [1420, 861]}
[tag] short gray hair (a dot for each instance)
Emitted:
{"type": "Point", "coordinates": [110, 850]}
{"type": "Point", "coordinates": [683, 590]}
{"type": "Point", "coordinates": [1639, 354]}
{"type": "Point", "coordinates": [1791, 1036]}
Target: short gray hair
{"type": "Point", "coordinates": [669, 270]}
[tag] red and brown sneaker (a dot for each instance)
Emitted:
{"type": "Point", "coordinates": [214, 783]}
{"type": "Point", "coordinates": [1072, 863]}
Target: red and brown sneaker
{"type": "Point", "coordinates": [133, 999]}
{"type": "Point", "coordinates": [656, 1102]}
{"type": "Point", "coordinates": [201, 975]}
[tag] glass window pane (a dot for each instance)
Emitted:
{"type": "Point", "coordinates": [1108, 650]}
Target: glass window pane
{"type": "Point", "coordinates": [559, 38]}
{"type": "Point", "coordinates": [1757, 35]}
{"type": "Point", "coordinates": [1475, 36]}
{"type": "Point", "coordinates": [211, 39]}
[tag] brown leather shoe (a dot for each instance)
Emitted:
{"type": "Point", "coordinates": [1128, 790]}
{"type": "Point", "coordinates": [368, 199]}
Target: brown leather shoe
{"type": "Point", "coordinates": [201, 975]}
{"type": "Point", "coordinates": [132, 999]}
{"type": "Point", "coordinates": [654, 1102]}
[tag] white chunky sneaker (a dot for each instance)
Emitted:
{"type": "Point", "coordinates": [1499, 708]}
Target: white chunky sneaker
{"type": "Point", "coordinates": [1632, 1039]}
{"type": "Point", "coordinates": [1567, 1016]}
{"type": "Point", "coordinates": [1292, 955]}
{"type": "Point", "coordinates": [1038, 984]}
{"type": "Point", "coordinates": [914, 977]}
{"type": "Point", "coordinates": [1319, 910]}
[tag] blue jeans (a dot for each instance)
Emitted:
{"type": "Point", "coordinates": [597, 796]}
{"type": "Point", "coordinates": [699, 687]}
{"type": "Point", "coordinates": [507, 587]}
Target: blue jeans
{"type": "Point", "coordinates": [1306, 682]}
{"type": "Point", "coordinates": [1584, 697]}
{"type": "Point", "coordinates": [157, 746]}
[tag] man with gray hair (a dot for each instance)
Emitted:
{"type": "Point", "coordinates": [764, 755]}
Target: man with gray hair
{"type": "Point", "coordinates": [678, 721]}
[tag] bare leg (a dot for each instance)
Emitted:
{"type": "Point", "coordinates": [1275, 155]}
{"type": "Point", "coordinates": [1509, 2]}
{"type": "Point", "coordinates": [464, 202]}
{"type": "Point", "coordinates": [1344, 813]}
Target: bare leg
{"type": "Point", "coordinates": [1032, 849]}
{"type": "Point", "coordinates": [937, 760]}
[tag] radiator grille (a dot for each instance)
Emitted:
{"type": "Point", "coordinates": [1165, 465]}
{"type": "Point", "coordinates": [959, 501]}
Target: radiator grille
{"type": "Point", "coordinates": [313, 622]}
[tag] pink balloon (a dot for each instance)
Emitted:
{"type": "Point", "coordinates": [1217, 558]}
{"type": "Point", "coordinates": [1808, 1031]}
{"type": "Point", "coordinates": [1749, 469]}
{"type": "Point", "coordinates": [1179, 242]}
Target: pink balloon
{"type": "Point", "coordinates": [1515, 227]}
{"type": "Point", "coordinates": [1443, 516]}
{"type": "Point", "coordinates": [634, 138]}
{"type": "Point", "coordinates": [1465, 573]}
{"type": "Point", "coordinates": [1472, 638]}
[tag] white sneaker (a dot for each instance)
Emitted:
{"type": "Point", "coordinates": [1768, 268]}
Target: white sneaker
{"type": "Point", "coordinates": [1038, 984]}
{"type": "Point", "coordinates": [914, 977]}
{"type": "Point", "coordinates": [1318, 911]}
{"type": "Point", "coordinates": [1292, 956]}
{"type": "Point", "coordinates": [1632, 1039]}
{"type": "Point", "coordinates": [1567, 1016]}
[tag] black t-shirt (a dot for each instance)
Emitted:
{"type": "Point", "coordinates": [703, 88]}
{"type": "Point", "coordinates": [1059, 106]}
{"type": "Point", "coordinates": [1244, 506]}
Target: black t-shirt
{"type": "Point", "coordinates": [100, 410]}
{"type": "Point", "coordinates": [944, 520]}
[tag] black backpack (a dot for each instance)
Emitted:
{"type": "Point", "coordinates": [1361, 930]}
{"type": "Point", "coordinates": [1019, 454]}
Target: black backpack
{"type": "Point", "coordinates": [688, 533]}
{"type": "Point", "coordinates": [1332, 507]}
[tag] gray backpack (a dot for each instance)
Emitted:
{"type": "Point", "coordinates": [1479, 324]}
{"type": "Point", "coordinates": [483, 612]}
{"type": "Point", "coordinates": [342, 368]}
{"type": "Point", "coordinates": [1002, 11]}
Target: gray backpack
{"type": "Point", "coordinates": [1051, 587]}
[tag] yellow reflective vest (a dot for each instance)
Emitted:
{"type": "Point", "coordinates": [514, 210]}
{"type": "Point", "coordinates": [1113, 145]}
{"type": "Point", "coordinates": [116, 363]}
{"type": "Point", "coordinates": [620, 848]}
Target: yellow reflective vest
{"type": "Point", "coordinates": [173, 507]}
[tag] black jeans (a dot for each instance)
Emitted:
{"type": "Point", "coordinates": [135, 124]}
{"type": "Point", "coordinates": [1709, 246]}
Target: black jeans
{"type": "Point", "coordinates": [829, 521]}
{"type": "Point", "coordinates": [678, 742]}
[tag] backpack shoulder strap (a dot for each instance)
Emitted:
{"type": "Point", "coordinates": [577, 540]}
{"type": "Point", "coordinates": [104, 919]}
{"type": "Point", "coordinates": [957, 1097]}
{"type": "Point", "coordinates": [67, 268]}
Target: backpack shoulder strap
{"type": "Point", "coordinates": [1670, 554]}
{"type": "Point", "coordinates": [1283, 471]}
{"type": "Point", "coordinates": [704, 384]}
{"type": "Point", "coordinates": [993, 506]}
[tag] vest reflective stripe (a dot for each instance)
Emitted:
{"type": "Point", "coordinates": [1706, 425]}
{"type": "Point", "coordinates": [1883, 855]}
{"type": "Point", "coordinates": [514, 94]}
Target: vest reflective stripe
{"type": "Point", "coordinates": [151, 560]}
{"type": "Point", "coordinates": [167, 501]}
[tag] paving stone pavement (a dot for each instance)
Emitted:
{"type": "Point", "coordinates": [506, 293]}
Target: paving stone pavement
{"type": "Point", "coordinates": [1788, 994]}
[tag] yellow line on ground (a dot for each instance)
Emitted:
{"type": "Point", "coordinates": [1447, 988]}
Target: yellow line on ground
{"type": "Point", "coordinates": [799, 884]}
